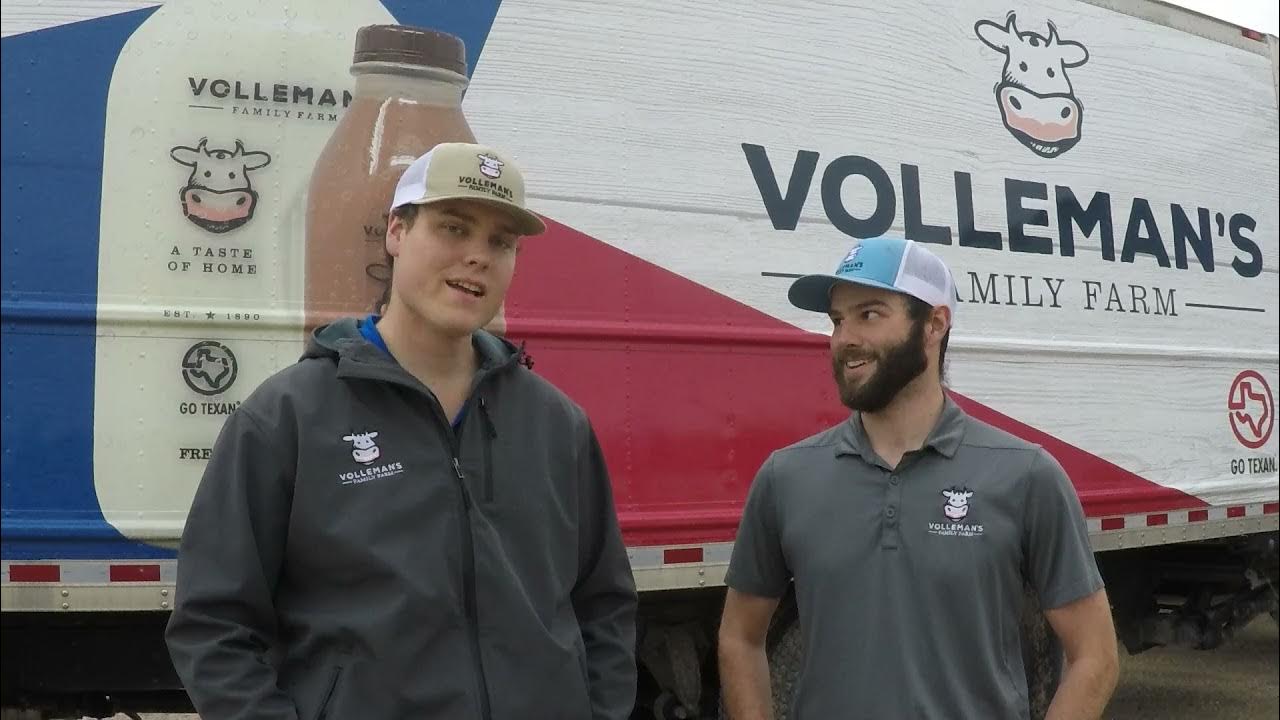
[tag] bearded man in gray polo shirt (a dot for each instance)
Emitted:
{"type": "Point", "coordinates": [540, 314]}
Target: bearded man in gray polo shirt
{"type": "Point", "coordinates": [910, 531]}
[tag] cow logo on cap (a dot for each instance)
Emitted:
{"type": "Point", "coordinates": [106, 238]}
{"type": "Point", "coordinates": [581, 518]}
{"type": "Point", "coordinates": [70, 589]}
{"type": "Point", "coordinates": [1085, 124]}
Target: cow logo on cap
{"type": "Point", "coordinates": [851, 261]}
{"type": "Point", "coordinates": [218, 196]}
{"type": "Point", "coordinates": [1037, 103]}
{"type": "Point", "coordinates": [490, 166]}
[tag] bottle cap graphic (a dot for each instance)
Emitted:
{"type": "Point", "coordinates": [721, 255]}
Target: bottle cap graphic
{"type": "Point", "coordinates": [412, 46]}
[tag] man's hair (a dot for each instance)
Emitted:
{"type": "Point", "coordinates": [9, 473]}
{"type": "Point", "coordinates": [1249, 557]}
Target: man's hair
{"type": "Point", "coordinates": [918, 310]}
{"type": "Point", "coordinates": [382, 271]}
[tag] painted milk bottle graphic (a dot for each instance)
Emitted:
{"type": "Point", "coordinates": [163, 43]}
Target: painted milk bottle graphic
{"type": "Point", "coordinates": [408, 94]}
{"type": "Point", "coordinates": [215, 115]}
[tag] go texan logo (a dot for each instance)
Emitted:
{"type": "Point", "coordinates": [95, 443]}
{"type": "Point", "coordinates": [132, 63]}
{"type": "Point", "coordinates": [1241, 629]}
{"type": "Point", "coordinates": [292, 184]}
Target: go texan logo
{"type": "Point", "coordinates": [1251, 409]}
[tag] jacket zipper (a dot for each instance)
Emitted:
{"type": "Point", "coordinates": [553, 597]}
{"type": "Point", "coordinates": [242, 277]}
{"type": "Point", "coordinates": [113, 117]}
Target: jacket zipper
{"type": "Point", "coordinates": [468, 567]}
{"type": "Point", "coordinates": [323, 712]}
{"type": "Point", "coordinates": [468, 541]}
{"type": "Point", "coordinates": [488, 451]}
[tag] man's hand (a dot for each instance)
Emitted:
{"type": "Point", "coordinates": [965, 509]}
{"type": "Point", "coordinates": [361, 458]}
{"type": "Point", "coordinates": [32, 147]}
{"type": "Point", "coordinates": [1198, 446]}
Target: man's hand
{"type": "Point", "coordinates": [1088, 637]}
{"type": "Point", "coordinates": [744, 667]}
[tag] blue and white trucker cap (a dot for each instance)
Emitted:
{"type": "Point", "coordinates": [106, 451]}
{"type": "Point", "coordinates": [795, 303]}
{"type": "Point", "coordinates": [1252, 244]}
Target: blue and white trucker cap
{"type": "Point", "coordinates": [888, 263]}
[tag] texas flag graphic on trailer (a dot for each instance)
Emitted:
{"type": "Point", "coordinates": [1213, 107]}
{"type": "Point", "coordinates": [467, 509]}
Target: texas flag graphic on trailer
{"type": "Point", "coordinates": [689, 163]}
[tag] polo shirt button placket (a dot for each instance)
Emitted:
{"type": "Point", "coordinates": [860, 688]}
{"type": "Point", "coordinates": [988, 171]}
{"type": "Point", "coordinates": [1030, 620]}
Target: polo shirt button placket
{"type": "Point", "coordinates": [893, 498]}
{"type": "Point", "coordinates": [889, 531]}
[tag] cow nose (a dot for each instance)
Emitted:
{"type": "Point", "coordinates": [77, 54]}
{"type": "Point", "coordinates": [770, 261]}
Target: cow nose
{"type": "Point", "coordinates": [1064, 110]}
{"type": "Point", "coordinates": [1047, 119]}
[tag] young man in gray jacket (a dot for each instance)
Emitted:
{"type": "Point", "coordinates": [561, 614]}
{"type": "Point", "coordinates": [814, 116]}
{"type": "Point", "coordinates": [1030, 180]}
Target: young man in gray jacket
{"type": "Point", "coordinates": [408, 522]}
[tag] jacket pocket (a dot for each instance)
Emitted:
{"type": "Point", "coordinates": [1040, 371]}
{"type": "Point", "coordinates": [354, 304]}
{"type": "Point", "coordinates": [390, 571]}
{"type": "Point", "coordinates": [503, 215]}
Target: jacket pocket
{"type": "Point", "coordinates": [322, 710]}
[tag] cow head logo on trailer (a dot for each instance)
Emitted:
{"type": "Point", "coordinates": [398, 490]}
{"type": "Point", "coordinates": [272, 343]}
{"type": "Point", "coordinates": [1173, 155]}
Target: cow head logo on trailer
{"type": "Point", "coordinates": [1035, 97]}
{"type": "Point", "coordinates": [218, 196]}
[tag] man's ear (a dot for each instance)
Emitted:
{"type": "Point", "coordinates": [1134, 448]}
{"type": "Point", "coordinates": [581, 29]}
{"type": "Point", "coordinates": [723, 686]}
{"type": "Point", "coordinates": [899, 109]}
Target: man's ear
{"type": "Point", "coordinates": [395, 234]}
{"type": "Point", "coordinates": [940, 322]}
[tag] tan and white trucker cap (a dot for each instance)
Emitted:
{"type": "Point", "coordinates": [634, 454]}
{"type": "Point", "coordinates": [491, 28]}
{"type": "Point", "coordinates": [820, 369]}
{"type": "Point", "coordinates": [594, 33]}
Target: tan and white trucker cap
{"type": "Point", "coordinates": [467, 171]}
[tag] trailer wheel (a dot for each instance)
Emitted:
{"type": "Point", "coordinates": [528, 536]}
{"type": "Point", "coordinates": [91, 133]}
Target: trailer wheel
{"type": "Point", "coordinates": [785, 650]}
{"type": "Point", "coordinates": [784, 669]}
{"type": "Point", "coordinates": [1042, 656]}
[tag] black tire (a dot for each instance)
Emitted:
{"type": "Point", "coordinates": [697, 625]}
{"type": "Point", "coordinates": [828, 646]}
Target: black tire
{"type": "Point", "coordinates": [784, 668]}
{"type": "Point", "coordinates": [785, 650]}
{"type": "Point", "coordinates": [1042, 657]}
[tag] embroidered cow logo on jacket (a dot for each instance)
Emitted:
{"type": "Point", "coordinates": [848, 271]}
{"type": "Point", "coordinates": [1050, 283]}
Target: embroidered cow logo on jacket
{"type": "Point", "coordinates": [363, 450]}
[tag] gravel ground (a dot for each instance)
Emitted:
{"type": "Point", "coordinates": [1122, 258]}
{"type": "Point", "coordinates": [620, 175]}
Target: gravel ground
{"type": "Point", "coordinates": [1240, 681]}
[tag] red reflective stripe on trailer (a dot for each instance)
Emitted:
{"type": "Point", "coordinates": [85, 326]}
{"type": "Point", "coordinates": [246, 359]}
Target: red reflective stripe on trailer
{"type": "Point", "coordinates": [1252, 34]}
{"type": "Point", "coordinates": [1235, 512]}
{"type": "Point", "coordinates": [1271, 508]}
{"type": "Point", "coordinates": [1157, 519]}
{"type": "Point", "coordinates": [35, 573]}
{"type": "Point", "coordinates": [135, 573]}
{"type": "Point", "coordinates": [1197, 516]}
{"type": "Point", "coordinates": [1113, 523]}
{"type": "Point", "coordinates": [675, 556]}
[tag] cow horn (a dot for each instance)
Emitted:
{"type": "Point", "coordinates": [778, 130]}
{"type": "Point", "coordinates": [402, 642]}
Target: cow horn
{"type": "Point", "coordinates": [1053, 34]}
{"type": "Point", "coordinates": [201, 147]}
{"type": "Point", "coordinates": [239, 149]}
{"type": "Point", "coordinates": [1011, 26]}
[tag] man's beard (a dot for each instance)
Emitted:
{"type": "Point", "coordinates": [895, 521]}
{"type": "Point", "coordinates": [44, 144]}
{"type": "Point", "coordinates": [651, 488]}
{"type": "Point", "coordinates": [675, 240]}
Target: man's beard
{"type": "Point", "coordinates": [895, 368]}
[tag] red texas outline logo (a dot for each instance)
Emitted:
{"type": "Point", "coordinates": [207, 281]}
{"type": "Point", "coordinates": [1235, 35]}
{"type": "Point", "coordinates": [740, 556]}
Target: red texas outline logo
{"type": "Point", "coordinates": [1251, 412]}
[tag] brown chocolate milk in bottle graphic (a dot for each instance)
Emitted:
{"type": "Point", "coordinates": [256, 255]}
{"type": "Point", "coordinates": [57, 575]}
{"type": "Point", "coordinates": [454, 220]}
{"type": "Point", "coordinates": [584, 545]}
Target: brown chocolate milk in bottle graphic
{"type": "Point", "coordinates": [408, 98]}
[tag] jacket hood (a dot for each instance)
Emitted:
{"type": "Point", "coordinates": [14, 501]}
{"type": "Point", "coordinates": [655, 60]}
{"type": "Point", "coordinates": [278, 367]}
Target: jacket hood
{"type": "Point", "coordinates": [342, 338]}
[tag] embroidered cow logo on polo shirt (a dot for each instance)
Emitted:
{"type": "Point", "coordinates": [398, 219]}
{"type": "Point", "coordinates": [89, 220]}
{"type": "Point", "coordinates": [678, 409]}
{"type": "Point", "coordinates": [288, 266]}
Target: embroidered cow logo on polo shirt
{"type": "Point", "coordinates": [955, 510]}
{"type": "Point", "coordinates": [957, 506]}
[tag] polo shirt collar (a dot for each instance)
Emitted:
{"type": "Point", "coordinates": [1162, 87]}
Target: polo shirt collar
{"type": "Point", "coordinates": [945, 438]}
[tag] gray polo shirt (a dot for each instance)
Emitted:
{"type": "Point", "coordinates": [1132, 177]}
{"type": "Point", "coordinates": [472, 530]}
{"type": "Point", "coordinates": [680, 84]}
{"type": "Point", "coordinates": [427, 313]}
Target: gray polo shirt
{"type": "Point", "coordinates": [909, 579]}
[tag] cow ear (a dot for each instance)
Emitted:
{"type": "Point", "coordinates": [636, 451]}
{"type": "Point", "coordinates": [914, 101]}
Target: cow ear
{"type": "Point", "coordinates": [1073, 54]}
{"type": "Point", "coordinates": [254, 160]}
{"type": "Point", "coordinates": [348, 438]}
{"type": "Point", "coordinates": [373, 435]}
{"type": "Point", "coordinates": [185, 155]}
{"type": "Point", "coordinates": [994, 36]}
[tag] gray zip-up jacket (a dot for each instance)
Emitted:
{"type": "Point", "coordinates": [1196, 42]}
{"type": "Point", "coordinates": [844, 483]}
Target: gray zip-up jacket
{"type": "Point", "coordinates": [348, 555]}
